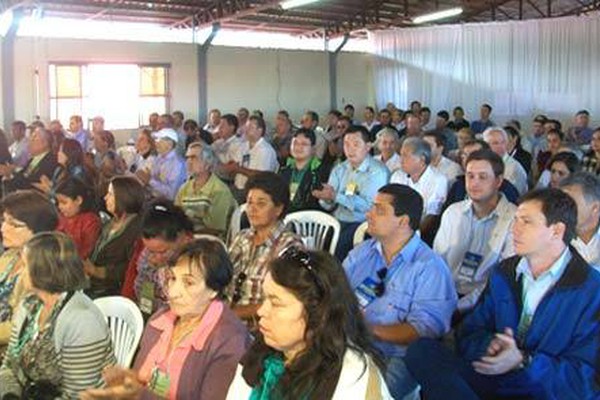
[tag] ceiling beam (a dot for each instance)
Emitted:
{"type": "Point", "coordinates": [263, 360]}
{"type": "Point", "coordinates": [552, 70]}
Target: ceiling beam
{"type": "Point", "coordinates": [536, 8]}
{"type": "Point", "coordinates": [227, 12]}
{"type": "Point", "coordinates": [584, 7]}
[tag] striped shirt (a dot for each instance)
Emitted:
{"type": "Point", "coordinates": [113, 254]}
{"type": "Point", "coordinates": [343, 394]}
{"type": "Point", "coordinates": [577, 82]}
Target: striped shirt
{"type": "Point", "coordinates": [71, 358]}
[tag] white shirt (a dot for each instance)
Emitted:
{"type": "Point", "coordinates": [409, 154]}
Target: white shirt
{"type": "Point", "coordinates": [142, 163]}
{"type": "Point", "coordinates": [393, 164]}
{"type": "Point", "coordinates": [450, 169]}
{"type": "Point", "coordinates": [352, 384]}
{"type": "Point", "coordinates": [227, 151]}
{"type": "Point", "coordinates": [261, 157]}
{"type": "Point", "coordinates": [19, 152]}
{"type": "Point", "coordinates": [321, 142]}
{"type": "Point", "coordinates": [515, 174]}
{"type": "Point", "coordinates": [589, 251]}
{"type": "Point", "coordinates": [455, 238]}
{"type": "Point", "coordinates": [432, 186]}
{"type": "Point", "coordinates": [210, 128]}
{"type": "Point", "coordinates": [544, 180]}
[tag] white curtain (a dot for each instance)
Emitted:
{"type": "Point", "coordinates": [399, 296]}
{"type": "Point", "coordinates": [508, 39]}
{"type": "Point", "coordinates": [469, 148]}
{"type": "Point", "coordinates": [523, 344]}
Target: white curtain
{"type": "Point", "coordinates": [521, 68]}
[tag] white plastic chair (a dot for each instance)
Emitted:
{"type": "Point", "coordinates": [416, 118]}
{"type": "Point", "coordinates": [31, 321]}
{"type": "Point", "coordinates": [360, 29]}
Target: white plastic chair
{"type": "Point", "coordinates": [126, 325]}
{"type": "Point", "coordinates": [360, 233]}
{"type": "Point", "coordinates": [313, 227]}
{"type": "Point", "coordinates": [210, 237]}
{"type": "Point", "coordinates": [235, 223]}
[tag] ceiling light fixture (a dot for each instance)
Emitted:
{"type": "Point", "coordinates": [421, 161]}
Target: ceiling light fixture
{"type": "Point", "coordinates": [437, 15]}
{"type": "Point", "coordinates": [286, 5]}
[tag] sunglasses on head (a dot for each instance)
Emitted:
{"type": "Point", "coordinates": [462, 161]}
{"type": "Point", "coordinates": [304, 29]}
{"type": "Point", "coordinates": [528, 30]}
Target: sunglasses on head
{"type": "Point", "coordinates": [304, 259]}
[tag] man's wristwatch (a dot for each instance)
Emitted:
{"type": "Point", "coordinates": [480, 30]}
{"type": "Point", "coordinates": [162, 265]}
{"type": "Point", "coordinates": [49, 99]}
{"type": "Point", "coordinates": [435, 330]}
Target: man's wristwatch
{"type": "Point", "coordinates": [526, 360]}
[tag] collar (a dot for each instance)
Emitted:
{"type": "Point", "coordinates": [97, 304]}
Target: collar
{"type": "Point", "coordinates": [312, 164]}
{"type": "Point", "coordinates": [232, 138]}
{"type": "Point", "coordinates": [39, 156]}
{"type": "Point", "coordinates": [596, 235]}
{"type": "Point", "coordinates": [407, 253]}
{"type": "Point", "coordinates": [273, 236]}
{"type": "Point", "coordinates": [363, 167]}
{"type": "Point", "coordinates": [467, 206]}
{"type": "Point", "coordinates": [555, 271]}
{"type": "Point", "coordinates": [424, 176]}
{"type": "Point", "coordinates": [207, 324]}
{"type": "Point", "coordinates": [258, 143]}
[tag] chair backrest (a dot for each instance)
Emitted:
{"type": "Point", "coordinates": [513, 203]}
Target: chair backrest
{"type": "Point", "coordinates": [126, 326]}
{"type": "Point", "coordinates": [360, 234]}
{"type": "Point", "coordinates": [235, 223]}
{"type": "Point", "coordinates": [319, 231]}
{"type": "Point", "coordinates": [210, 237]}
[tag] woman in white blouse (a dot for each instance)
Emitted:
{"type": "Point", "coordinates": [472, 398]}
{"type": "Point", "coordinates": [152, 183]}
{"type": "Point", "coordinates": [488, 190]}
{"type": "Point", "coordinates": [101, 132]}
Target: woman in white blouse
{"type": "Point", "coordinates": [313, 342]}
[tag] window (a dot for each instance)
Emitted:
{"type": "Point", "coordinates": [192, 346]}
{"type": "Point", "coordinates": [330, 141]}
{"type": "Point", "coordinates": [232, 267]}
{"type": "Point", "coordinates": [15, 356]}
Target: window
{"type": "Point", "coordinates": [124, 94]}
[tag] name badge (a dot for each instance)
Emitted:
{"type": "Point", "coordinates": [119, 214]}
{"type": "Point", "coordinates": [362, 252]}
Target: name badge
{"type": "Point", "coordinates": [351, 188]}
{"type": "Point", "coordinates": [293, 190]}
{"type": "Point", "coordinates": [245, 160]}
{"type": "Point", "coordinates": [469, 266]}
{"type": "Point", "coordinates": [365, 292]}
{"type": "Point", "coordinates": [159, 383]}
{"type": "Point", "coordinates": [147, 298]}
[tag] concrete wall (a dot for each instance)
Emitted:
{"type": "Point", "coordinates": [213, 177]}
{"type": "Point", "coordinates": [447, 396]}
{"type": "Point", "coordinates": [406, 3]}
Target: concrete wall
{"type": "Point", "coordinates": [265, 79]}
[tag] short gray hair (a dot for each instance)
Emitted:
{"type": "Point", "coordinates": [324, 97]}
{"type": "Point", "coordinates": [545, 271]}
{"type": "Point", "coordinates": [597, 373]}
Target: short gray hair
{"type": "Point", "coordinates": [205, 152]}
{"type": "Point", "coordinates": [419, 148]}
{"type": "Point", "coordinates": [488, 131]}
{"type": "Point", "coordinates": [588, 182]}
{"type": "Point", "coordinates": [389, 132]}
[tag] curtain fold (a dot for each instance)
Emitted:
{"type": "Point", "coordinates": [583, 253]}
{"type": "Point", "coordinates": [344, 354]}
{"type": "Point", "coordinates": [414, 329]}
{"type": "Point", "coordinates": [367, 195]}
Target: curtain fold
{"type": "Point", "coordinates": [520, 67]}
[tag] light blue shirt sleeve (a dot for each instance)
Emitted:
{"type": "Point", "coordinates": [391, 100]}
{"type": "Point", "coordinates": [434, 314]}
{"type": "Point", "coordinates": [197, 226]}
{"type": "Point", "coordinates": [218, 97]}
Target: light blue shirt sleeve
{"type": "Point", "coordinates": [434, 300]}
{"type": "Point", "coordinates": [368, 178]}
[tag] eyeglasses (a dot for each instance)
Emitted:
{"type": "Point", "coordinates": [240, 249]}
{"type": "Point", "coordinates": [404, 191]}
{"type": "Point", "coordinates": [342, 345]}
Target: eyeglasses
{"type": "Point", "coordinates": [237, 290]}
{"type": "Point", "coordinates": [380, 287]}
{"type": "Point", "coordinates": [304, 259]}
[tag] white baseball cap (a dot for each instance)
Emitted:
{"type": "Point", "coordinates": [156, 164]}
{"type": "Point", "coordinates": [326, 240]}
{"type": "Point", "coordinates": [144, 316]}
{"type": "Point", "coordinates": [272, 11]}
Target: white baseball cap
{"type": "Point", "coordinates": [166, 133]}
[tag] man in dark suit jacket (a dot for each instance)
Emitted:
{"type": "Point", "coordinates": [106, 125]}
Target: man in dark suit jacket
{"type": "Point", "coordinates": [42, 162]}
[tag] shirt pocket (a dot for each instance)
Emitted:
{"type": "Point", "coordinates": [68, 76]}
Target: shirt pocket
{"type": "Point", "coordinates": [392, 308]}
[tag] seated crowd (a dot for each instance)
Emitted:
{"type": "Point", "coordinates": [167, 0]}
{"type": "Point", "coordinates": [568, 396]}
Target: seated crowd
{"type": "Point", "coordinates": [478, 275]}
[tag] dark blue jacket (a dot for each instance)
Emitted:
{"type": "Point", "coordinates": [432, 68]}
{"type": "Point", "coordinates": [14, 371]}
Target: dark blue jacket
{"type": "Point", "coordinates": [563, 338]}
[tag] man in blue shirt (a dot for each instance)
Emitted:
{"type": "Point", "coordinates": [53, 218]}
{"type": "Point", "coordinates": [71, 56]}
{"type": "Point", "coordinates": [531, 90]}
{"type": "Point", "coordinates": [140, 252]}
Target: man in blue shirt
{"type": "Point", "coordinates": [352, 186]}
{"type": "Point", "coordinates": [535, 332]}
{"type": "Point", "coordinates": [485, 122]}
{"type": "Point", "coordinates": [404, 288]}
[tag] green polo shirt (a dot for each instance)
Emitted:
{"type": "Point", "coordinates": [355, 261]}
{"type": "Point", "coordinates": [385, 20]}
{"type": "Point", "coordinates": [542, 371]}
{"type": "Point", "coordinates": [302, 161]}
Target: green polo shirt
{"type": "Point", "coordinates": [208, 207]}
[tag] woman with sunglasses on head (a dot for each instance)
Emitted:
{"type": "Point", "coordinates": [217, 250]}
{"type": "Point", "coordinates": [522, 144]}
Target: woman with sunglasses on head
{"type": "Point", "coordinates": [313, 343]}
{"type": "Point", "coordinates": [189, 350]}
{"type": "Point", "coordinates": [251, 249]}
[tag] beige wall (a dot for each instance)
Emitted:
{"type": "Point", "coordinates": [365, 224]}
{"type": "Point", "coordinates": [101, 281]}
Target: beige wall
{"type": "Point", "coordinates": [265, 79]}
